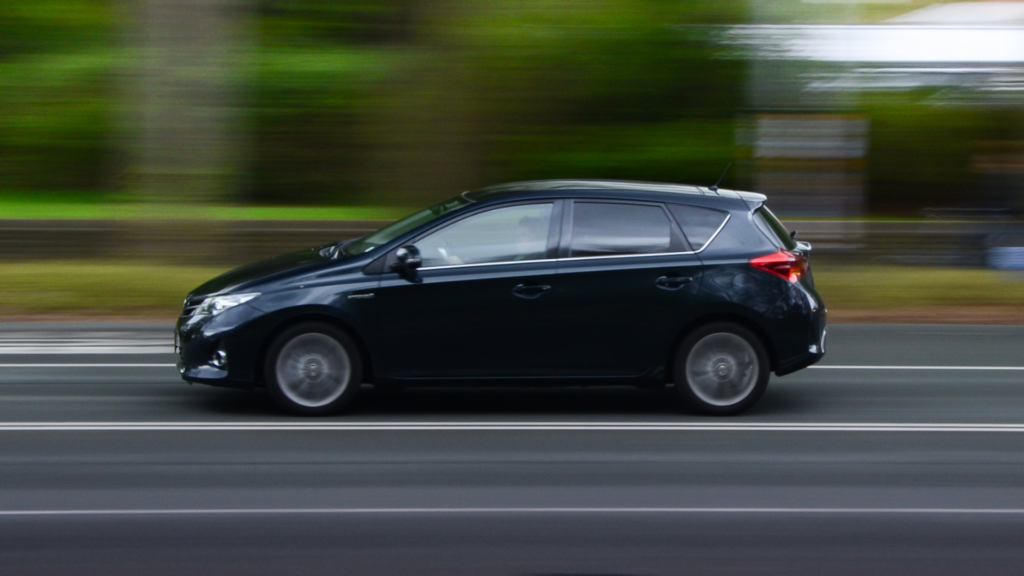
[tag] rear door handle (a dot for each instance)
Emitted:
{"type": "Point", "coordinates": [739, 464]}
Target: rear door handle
{"type": "Point", "coordinates": [530, 291]}
{"type": "Point", "coordinates": [672, 282]}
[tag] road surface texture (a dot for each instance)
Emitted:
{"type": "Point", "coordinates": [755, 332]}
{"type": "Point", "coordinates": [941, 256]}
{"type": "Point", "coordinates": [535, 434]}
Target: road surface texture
{"type": "Point", "coordinates": [902, 454]}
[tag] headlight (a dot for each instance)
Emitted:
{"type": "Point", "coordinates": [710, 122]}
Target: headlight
{"type": "Point", "coordinates": [217, 304]}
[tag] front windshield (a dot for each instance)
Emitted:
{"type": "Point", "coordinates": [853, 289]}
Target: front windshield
{"type": "Point", "coordinates": [396, 229]}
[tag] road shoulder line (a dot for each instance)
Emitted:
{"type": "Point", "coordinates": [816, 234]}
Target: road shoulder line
{"type": "Point", "coordinates": [502, 510]}
{"type": "Point", "coordinates": [506, 426]}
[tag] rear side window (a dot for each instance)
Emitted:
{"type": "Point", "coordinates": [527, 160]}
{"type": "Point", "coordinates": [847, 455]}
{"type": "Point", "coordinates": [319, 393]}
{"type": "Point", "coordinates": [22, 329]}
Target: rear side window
{"type": "Point", "coordinates": [771, 226]}
{"type": "Point", "coordinates": [698, 224]}
{"type": "Point", "coordinates": [607, 229]}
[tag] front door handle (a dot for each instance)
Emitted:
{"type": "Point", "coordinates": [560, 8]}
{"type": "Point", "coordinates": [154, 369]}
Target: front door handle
{"type": "Point", "coordinates": [672, 282]}
{"type": "Point", "coordinates": [530, 291]}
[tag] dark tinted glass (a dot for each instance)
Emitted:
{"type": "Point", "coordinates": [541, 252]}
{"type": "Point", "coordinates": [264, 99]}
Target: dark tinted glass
{"type": "Point", "coordinates": [603, 229]}
{"type": "Point", "coordinates": [699, 224]}
{"type": "Point", "coordinates": [765, 218]}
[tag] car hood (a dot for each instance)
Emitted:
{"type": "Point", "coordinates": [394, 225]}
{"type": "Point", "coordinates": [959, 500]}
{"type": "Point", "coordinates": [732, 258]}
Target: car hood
{"type": "Point", "coordinates": [260, 272]}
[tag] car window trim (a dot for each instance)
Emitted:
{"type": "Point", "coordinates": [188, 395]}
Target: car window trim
{"type": "Point", "coordinates": [574, 258]}
{"type": "Point", "coordinates": [652, 255]}
{"type": "Point", "coordinates": [556, 228]}
{"type": "Point", "coordinates": [680, 224]}
{"type": "Point", "coordinates": [565, 233]}
{"type": "Point", "coordinates": [565, 239]}
{"type": "Point", "coordinates": [728, 216]}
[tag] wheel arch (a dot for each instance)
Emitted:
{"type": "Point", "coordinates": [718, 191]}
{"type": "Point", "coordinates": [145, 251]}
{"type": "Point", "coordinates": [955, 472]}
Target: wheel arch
{"type": "Point", "coordinates": [739, 319]}
{"type": "Point", "coordinates": [309, 317]}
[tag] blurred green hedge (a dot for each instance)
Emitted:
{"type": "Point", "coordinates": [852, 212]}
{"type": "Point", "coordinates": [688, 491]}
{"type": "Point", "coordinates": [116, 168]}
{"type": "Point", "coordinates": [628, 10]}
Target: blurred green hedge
{"type": "Point", "coordinates": [404, 101]}
{"type": "Point", "coordinates": [394, 102]}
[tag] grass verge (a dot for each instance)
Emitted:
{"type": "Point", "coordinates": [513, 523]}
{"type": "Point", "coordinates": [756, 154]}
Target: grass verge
{"type": "Point", "coordinates": [900, 287]}
{"type": "Point", "coordinates": [107, 290]}
{"type": "Point", "coordinates": [852, 293]}
{"type": "Point", "coordinates": [88, 206]}
{"type": "Point", "coordinates": [921, 294]}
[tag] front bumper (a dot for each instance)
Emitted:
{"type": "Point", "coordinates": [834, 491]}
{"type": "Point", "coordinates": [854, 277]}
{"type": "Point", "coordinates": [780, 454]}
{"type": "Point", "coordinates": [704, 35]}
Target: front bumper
{"type": "Point", "coordinates": [235, 333]}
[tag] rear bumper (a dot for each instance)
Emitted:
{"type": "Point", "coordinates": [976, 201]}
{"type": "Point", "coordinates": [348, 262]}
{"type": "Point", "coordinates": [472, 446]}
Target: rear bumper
{"type": "Point", "coordinates": [799, 363]}
{"type": "Point", "coordinates": [815, 350]}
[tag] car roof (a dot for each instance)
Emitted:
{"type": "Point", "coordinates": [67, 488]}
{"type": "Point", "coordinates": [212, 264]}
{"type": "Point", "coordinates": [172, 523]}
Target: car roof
{"type": "Point", "coordinates": [617, 185]}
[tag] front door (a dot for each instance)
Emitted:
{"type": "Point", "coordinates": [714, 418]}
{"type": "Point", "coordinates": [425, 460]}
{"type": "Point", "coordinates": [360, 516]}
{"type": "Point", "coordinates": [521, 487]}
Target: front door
{"type": "Point", "coordinates": [481, 306]}
{"type": "Point", "coordinates": [626, 285]}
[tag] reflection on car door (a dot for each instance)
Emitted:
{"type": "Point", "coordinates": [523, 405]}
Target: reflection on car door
{"type": "Point", "coordinates": [482, 307]}
{"type": "Point", "coordinates": [626, 285]}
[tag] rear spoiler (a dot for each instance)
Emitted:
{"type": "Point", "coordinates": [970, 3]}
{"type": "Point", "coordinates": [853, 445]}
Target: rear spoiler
{"type": "Point", "coordinates": [753, 199]}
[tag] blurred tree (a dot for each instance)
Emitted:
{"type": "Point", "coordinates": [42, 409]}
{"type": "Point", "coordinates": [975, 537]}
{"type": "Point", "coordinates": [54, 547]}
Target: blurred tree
{"type": "Point", "coordinates": [57, 103]}
{"type": "Point", "coordinates": [319, 71]}
{"type": "Point", "coordinates": [405, 101]}
{"type": "Point", "coordinates": [370, 101]}
{"type": "Point", "coordinates": [924, 156]}
{"type": "Point", "coordinates": [620, 90]}
{"type": "Point", "coordinates": [193, 73]}
{"type": "Point", "coordinates": [344, 22]}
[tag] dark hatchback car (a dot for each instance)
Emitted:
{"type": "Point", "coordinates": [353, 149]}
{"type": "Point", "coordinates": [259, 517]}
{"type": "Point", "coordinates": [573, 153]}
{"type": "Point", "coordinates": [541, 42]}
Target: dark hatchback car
{"type": "Point", "coordinates": [532, 283]}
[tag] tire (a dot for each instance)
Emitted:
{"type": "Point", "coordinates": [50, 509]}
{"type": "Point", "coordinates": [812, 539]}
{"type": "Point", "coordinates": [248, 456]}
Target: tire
{"type": "Point", "coordinates": [721, 369]}
{"type": "Point", "coordinates": [313, 369]}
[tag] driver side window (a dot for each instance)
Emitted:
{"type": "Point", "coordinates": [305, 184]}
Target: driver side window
{"type": "Point", "coordinates": [515, 233]}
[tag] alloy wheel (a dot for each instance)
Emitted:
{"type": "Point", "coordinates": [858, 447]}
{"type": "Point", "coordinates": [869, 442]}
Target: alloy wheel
{"type": "Point", "coordinates": [313, 370]}
{"type": "Point", "coordinates": [722, 369]}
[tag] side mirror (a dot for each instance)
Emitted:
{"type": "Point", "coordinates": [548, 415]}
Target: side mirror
{"type": "Point", "coordinates": [407, 259]}
{"type": "Point", "coordinates": [793, 234]}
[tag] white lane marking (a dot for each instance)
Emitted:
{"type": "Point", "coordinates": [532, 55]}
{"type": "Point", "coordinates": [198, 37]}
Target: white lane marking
{"type": "Point", "coordinates": [496, 510]}
{"type": "Point", "coordinates": [917, 367]}
{"type": "Point", "coordinates": [134, 365]}
{"type": "Point", "coordinates": [503, 426]}
{"type": "Point", "coordinates": [111, 347]}
{"type": "Point", "coordinates": [87, 365]}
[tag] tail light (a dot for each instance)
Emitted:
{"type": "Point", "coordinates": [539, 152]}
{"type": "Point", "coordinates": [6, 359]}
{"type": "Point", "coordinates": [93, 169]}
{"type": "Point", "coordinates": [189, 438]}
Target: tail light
{"type": "Point", "coordinates": [784, 264]}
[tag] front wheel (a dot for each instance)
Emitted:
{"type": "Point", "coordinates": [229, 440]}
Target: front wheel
{"type": "Point", "coordinates": [313, 369]}
{"type": "Point", "coordinates": [721, 369]}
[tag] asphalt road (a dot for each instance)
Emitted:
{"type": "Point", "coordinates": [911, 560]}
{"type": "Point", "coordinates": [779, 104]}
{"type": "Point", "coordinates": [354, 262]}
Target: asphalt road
{"type": "Point", "coordinates": [902, 454]}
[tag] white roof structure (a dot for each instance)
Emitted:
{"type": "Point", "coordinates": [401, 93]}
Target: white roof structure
{"type": "Point", "coordinates": [976, 46]}
{"type": "Point", "coordinates": [960, 32]}
{"type": "Point", "coordinates": [883, 43]}
{"type": "Point", "coordinates": [966, 14]}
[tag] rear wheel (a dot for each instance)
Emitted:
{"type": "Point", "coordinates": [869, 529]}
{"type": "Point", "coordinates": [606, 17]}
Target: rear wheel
{"type": "Point", "coordinates": [313, 369]}
{"type": "Point", "coordinates": [721, 369]}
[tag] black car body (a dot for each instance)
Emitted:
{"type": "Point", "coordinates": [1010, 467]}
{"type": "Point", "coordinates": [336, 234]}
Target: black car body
{"type": "Point", "coordinates": [623, 274]}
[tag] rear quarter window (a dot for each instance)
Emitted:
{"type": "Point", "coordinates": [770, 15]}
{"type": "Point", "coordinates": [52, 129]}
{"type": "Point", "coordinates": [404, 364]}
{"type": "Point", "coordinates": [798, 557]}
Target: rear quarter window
{"type": "Point", "coordinates": [699, 225]}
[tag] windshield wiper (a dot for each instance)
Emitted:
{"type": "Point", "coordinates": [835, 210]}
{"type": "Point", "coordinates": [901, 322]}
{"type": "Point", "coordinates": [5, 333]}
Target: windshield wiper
{"type": "Point", "coordinates": [332, 251]}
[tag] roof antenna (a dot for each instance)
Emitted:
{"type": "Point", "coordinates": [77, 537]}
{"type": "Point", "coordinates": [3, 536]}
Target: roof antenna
{"type": "Point", "coordinates": [720, 178]}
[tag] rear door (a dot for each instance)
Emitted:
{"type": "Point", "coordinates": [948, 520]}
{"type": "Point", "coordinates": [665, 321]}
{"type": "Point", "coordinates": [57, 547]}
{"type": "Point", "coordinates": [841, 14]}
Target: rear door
{"type": "Point", "coordinates": [627, 281]}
